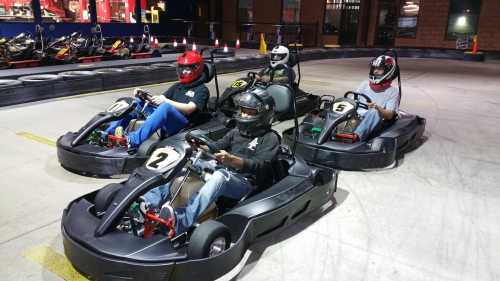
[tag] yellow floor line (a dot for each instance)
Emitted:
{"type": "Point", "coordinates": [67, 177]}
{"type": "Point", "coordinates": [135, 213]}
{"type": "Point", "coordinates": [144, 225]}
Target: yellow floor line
{"type": "Point", "coordinates": [36, 138]}
{"type": "Point", "coordinates": [54, 262]}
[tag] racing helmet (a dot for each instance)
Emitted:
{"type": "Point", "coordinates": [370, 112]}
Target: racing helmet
{"type": "Point", "coordinates": [255, 112]}
{"type": "Point", "coordinates": [388, 64]}
{"type": "Point", "coordinates": [189, 67]}
{"type": "Point", "coordinates": [279, 55]}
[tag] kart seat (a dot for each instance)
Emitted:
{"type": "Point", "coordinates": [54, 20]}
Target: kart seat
{"type": "Point", "coordinates": [283, 99]}
{"type": "Point", "coordinates": [209, 72]}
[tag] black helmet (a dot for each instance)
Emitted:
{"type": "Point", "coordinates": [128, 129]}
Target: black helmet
{"type": "Point", "coordinates": [388, 64]}
{"type": "Point", "coordinates": [255, 112]}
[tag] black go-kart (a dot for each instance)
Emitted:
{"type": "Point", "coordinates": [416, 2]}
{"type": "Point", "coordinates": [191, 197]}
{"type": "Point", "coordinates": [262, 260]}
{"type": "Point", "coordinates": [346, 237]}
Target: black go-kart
{"type": "Point", "coordinates": [325, 135]}
{"type": "Point", "coordinates": [108, 236]}
{"type": "Point", "coordinates": [305, 102]}
{"type": "Point", "coordinates": [92, 152]}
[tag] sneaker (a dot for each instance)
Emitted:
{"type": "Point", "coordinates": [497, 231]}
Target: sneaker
{"type": "Point", "coordinates": [144, 205]}
{"type": "Point", "coordinates": [167, 213]}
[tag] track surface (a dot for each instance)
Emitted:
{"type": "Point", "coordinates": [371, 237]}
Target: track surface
{"type": "Point", "coordinates": [435, 217]}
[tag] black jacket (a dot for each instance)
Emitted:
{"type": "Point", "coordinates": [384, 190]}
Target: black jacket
{"type": "Point", "coordinates": [259, 155]}
{"type": "Point", "coordinates": [195, 92]}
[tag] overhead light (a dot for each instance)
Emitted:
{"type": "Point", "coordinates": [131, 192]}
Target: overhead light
{"type": "Point", "coordinates": [461, 21]}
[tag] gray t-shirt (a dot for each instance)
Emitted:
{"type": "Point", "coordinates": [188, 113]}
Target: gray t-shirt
{"type": "Point", "coordinates": [388, 99]}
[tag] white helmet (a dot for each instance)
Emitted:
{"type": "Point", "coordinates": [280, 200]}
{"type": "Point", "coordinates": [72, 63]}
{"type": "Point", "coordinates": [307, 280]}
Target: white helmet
{"type": "Point", "coordinates": [279, 55]}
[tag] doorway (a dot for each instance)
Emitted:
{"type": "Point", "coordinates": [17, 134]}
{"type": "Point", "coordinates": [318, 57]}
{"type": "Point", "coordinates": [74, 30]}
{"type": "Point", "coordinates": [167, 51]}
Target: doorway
{"type": "Point", "coordinates": [349, 22]}
{"type": "Point", "coordinates": [386, 24]}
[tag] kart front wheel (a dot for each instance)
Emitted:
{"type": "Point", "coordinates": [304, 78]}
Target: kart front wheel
{"type": "Point", "coordinates": [209, 239]}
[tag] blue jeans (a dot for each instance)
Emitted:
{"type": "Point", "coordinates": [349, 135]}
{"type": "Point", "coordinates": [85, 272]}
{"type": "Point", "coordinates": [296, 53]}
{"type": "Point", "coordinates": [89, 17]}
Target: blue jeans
{"type": "Point", "coordinates": [164, 117]}
{"type": "Point", "coordinates": [221, 183]}
{"type": "Point", "coordinates": [371, 121]}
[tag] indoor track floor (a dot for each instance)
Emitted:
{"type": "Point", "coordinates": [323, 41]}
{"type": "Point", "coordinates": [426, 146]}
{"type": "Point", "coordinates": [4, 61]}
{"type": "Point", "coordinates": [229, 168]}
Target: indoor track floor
{"type": "Point", "coordinates": [435, 217]}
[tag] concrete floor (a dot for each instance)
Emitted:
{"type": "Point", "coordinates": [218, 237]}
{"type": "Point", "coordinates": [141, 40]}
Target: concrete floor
{"type": "Point", "coordinates": [436, 217]}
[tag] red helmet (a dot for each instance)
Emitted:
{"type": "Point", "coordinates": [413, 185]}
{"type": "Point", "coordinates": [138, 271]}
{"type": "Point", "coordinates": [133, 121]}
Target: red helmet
{"type": "Point", "coordinates": [189, 67]}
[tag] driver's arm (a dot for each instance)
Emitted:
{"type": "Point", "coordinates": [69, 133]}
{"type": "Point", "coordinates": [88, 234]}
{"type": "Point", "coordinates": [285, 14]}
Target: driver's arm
{"type": "Point", "coordinates": [386, 114]}
{"type": "Point", "coordinates": [259, 164]}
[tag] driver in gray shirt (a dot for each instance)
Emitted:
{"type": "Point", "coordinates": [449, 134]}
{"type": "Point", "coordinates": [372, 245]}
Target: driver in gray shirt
{"type": "Point", "coordinates": [384, 96]}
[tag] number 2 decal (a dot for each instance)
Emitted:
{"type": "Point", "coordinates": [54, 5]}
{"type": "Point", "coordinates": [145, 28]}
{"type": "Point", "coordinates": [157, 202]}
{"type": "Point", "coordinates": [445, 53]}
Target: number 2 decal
{"type": "Point", "coordinates": [161, 157]}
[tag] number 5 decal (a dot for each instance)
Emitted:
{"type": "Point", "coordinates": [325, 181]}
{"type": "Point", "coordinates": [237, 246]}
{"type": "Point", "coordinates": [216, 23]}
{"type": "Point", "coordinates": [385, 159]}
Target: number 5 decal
{"type": "Point", "coordinates": [162, 158]}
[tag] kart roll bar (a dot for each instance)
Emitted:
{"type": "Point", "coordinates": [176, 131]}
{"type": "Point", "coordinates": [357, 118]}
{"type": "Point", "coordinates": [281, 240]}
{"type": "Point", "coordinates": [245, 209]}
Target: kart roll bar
{"type": "Point", "coordinates": [211, 52]}
{"type": "Point", "coordinates": [395, 56]}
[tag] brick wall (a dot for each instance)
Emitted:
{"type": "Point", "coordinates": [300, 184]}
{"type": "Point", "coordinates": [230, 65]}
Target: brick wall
{"type": "Point", "coordinates": [433, 21]}
{"type": "Point", "coordinates": [489, 26]}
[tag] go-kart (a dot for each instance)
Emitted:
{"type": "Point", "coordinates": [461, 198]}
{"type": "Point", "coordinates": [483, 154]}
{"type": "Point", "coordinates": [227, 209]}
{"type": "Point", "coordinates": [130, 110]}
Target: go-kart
{"type": "Point", "coordinates": [22, 47]}
{"type": "Point", "coordinates": [144, 45]}
{"type": "Point", "coordinates": [92, 152]}
{"type": "Point", "coordinates": [107, 235]}
{"type": "Point", "coordinates": [325, 135]}
{"type": "Point", "coordinates": [118, 50]}
{"type": "Point", "coordinates": [305, 102]}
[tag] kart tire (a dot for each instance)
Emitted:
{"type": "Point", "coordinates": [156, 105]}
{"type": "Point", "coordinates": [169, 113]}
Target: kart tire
{"type": "Point", "coordinates": [7, 83]}
{"type": "Point", "coordinates": [109, 71]}
{"type": "Point", "coordinates": [147, 148]}
{"type": "Point", "coordinates": [163, 65]}
{"type": "Point", "coordinates": [76, 74]}
{"type": "Point", "coordinates": [41, 78]}
{"type": "Point", "coordinates": [105, 196]}
{"type": "Point", "coordinates": [206, 237]}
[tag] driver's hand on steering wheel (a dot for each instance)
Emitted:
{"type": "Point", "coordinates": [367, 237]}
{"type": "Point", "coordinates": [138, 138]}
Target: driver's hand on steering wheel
{"type": "Point", "coordinates": [372, 105]}
{"type": "Point", "coordinates": [223, 157]}
{"type": "Point", "coordinates": [158, 100]}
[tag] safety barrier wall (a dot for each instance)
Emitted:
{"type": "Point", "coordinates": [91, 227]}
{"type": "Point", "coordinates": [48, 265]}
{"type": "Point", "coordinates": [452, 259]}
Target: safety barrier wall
{"type": "Point", "coordinates": [27, 90]}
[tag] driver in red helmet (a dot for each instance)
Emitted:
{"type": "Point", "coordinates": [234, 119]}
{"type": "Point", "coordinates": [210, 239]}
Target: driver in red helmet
{"type": "Point", "coordinates": [384, 96]}
{"type": "Point", "coordinates": [173, 110]}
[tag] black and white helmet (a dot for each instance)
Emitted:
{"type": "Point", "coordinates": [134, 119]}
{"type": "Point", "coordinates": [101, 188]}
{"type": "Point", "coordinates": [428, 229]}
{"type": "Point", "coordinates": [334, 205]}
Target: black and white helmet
{"type": "Point", "coordinates": [279, 55]}
{"type": "Point", "coordinates": [390, 69]}
{"type": "Point", "coordinates": [255, 112]}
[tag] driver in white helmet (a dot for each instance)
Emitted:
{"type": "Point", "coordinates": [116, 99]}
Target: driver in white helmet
{"type": "Point", "coordinates": [384, 96]}
{"type": "Point", "coordinates": [278, 71]}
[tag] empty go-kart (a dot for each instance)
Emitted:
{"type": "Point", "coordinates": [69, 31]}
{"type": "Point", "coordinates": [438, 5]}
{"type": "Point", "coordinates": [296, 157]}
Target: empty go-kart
{"type": "Point", "coordinates": [325, 135]}
{"type": "Point", "coordinates": [107, 235]}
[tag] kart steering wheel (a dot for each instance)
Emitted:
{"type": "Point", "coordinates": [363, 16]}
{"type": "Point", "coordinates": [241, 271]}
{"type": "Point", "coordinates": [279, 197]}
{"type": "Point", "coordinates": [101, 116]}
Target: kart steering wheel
{"type": "Point", "coordinates": [144, 96]}
{"type": "Point", "coordinates": [198, 140]}
{"type": "Point", "coordinates": [356, 99]}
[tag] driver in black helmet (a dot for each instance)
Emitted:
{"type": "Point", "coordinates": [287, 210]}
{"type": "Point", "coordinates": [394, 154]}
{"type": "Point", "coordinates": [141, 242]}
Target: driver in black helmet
{"type": "Point", "coordinates": [245, 154]}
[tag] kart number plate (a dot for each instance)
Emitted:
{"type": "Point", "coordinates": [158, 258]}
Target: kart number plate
{"type": "Point", "coordinates": [62, 51]}
{"type": "Point", "coordinates": [162, 158]}
{"type": "Point", "coordinates": [116, 44]}
{"type": "Point", "coordinates": [239, 84]}
{"type": "Point", "coordinates": [118, 106]}
{"type": "Point", "coordinates": [342, 107]}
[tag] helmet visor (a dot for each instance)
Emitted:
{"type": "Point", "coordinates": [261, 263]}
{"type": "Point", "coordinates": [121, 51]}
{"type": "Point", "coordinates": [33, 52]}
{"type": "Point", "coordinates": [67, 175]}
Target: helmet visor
{"type": "Point", "coordinates": [277, 57]}
{"type": "Point", "coordinates": [247, 112]}
{"type": "Point", "coordinates": [184, 70]}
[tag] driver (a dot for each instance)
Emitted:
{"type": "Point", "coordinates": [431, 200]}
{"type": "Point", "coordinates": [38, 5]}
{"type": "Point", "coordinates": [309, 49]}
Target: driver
{"type": "Point", "coordinates": [245, 154]}
{"type": "Point", "coordinates": [172, 110]}
{"type": "Point", "coordinates": [282, 73]}
{"type": "Point", "coordinates": [384, 96]}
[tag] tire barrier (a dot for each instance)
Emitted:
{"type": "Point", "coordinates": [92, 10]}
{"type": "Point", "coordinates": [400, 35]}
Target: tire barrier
{"type": "Point", "coordinates": [75, 82]}
{"type": "Point", "coordinates": [40, 78]}
{"type": "Point", "coordinates": [7, 83]}
{"type": "Point", "coordinates": [38, 87]}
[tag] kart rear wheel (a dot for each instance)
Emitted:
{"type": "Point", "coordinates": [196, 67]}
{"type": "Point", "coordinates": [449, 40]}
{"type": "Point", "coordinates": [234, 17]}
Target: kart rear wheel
{"type": "Point", "coordinates": [105, 196]}
{"type": "Point", "coordinates": [209, 239]}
